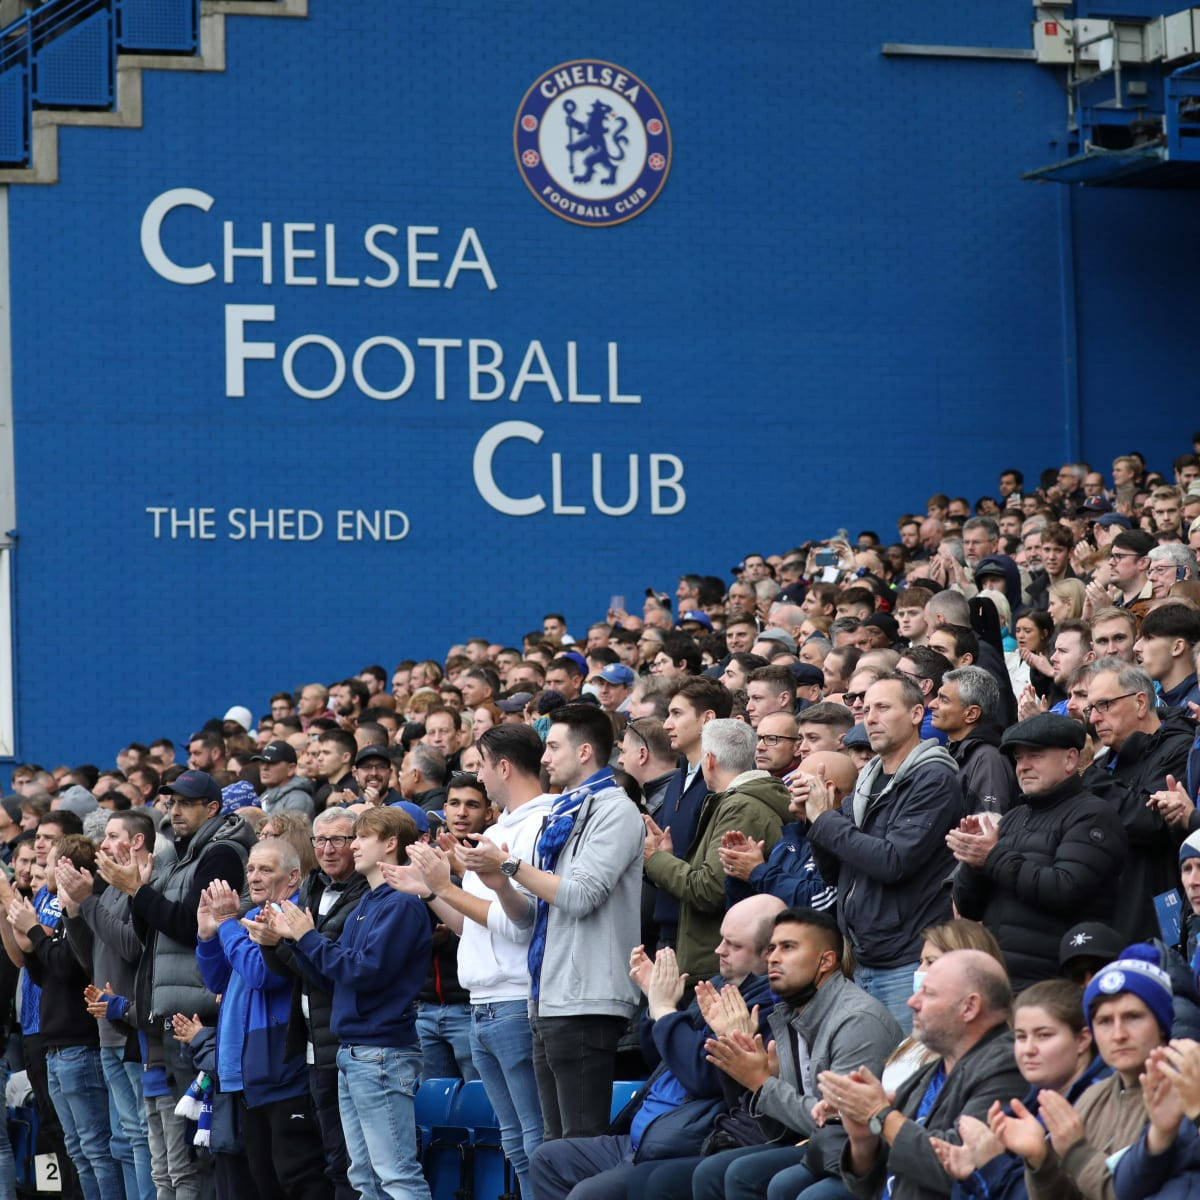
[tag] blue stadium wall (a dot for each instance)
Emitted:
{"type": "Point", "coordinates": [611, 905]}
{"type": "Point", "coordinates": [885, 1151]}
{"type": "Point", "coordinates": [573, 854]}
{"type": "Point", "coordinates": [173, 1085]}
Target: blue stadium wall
{"type": "Point", "coordinates": [843, 299]}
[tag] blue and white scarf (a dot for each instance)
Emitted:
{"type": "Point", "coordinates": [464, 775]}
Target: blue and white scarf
{"type": "Point", "coordinates": [555, 835]}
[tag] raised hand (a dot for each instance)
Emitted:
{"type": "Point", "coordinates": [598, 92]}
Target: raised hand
{"type": "Point", "coordinates": [126, 876]}
{"type": "Point", "coordinates": [1061, 1120]}
{"type": "Point", "coordinates": [640, 967]}
{"type": "Point", "coordinates": [738, 861]}
{"type": "Point", "coordinates": [434, 865]}
{"type": "Point", "coordinates": [820, 798]}
{"type": "Point", "coordinates": [1181, 1062]}
{"type": "Point", "coordinates": [742, 1059]}
{"type": "Point", "coordinates": [708, 999]}
{"type": "Point", "coordinates": [206, 923]}
{"type": "Point", "coordinates": [260, 929]}
{"type": "Point", "coordinates": [654, 837]}
{"type": "Point", "coordinates": [404, 879]}
{"type": "Point", "coordinates": [979, 1140]}
{"type": "Point", "coordinates": [737, 1017]}
{"type": "Point", "coordinates": [299, 921]}
{"type": "Point", "coordinates": [956, 1160]}
{"type": "Point", "coordinates": [1174, 803]}
{"type": "Point", "coordinates": [1021, 1134]}
{"type": "Point", "coordinates": [186, 1028]}
{"type": "Point", "coordinates": [223, 901]}
{"type": "Point", "coordinates": [666, 984]}
{"type": "Point", "coordinates": [481, 855]}
{"type": "Point", "coordinates": [73, 883]}
{"type": "Point", "coordinates": [97, 1000]}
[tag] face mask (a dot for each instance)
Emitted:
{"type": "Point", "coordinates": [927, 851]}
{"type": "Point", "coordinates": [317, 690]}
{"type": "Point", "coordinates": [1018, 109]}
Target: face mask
{"type": "Point", "coordinates": [918, 979]}
{"type": "Point", "coordinates": [801, 998]}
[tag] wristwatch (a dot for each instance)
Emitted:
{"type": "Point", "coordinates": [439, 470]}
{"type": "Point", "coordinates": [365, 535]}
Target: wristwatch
{"type": "Point", "coordinates": [510, 866]}
{"type": "Point", "coordinates": [875, 1123]}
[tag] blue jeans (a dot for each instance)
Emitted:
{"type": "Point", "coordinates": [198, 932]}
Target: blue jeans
{"type": "Point", "coordinates": [445, 1033]}
{"type": "Point", "coordinates": [127, 1118]}
{"type": "Point", "coordinates": [81, 1101]}
{"type": "Point", "coordinates": [892, 988]}
{"type": "Point", "coordinates": [502, 1048]}
{"type": "Point", "coordinates": [763, 1173]}
{"type": "Point", "coordinates": [376, 1085]}
{"type": "Point", "coordinates": [8, 1168]}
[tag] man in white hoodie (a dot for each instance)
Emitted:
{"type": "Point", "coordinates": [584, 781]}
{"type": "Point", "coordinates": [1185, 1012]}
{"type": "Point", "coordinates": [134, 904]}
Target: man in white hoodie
{"type": "Point", "coordinates": [493, 946]}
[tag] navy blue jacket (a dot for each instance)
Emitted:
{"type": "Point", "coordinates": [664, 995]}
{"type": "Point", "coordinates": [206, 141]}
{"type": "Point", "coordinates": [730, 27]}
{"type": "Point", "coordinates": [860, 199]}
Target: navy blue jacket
{"type": "Point", "coordinates": [375, 970]}
{"type": "Point", "coordinates": [1172, 1175]}
{"type": "Point", "coordinates": [268, 1074]}
{"type": "Point", "coordinates": [790, 872]}
{"type": "Point", "coordinates": [679, 813]}
{"type": "Point", "coordinates": [678, 1038]}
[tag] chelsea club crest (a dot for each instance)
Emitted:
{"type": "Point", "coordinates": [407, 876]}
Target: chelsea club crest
{"type": "Point", "coordinates": [592, 142]}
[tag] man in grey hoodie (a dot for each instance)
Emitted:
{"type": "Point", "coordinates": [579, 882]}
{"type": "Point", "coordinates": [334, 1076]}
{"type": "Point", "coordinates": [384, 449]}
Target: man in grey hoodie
{"type": "Point", "coordinates": [884, 846]}
{"type": "Point", "coordinates": [286, 791]}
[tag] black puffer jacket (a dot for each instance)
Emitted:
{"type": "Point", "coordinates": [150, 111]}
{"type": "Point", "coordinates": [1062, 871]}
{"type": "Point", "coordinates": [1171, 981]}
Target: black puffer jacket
{"type": "Point", "coordinates": [1141, 767]}
{"type": "Point", "coordinates": [282, 960]}
{"type": "Point", "coordinates": [1054, 866]}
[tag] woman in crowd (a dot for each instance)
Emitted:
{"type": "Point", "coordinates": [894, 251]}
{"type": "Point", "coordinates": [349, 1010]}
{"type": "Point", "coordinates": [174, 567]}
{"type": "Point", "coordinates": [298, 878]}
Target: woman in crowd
{"type": "Point", "coordinates": [1054, 1050]}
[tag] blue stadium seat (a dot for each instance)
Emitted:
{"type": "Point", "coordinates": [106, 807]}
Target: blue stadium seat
{"type": "Point", "coordinates": [23, 1134]}
{"type": "Point", "coordinates": [433, 1101]}
{"type": "Point", "coordinates": [624, 1090]}
{"type": "Point", "coordinates": [450, 1151]}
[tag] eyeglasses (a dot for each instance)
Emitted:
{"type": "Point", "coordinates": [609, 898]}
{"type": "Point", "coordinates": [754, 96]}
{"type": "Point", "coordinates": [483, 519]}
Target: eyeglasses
{"type": "Point", "coordinates": [773, 739]}
{"type": "Point", "coordinates": [852, 698]}
{"type": "Point", "coordinates": [173, 801]}
{"type": "Point", "coordinates": [1124, 554]}
{"type": "Point", "coordinates": [631, 727]}
{"type": "Point", "coordinates": [1102, 706]}
{"type": "Point", "coordinates": [338, 841]}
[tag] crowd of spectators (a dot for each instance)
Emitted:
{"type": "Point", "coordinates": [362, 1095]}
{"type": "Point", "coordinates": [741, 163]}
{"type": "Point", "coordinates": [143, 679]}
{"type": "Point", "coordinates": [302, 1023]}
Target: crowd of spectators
{"type": "Point", "coordinates": [880, 864]}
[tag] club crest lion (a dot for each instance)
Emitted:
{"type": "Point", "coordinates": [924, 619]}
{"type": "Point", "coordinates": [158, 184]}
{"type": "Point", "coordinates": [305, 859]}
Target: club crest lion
{"type": "Point", "coordinates": [592, 142]}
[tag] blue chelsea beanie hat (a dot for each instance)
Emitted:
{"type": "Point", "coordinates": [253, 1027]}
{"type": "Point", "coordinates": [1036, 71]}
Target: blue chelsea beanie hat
{"type": "Point", "coordinates": [1138, 971]}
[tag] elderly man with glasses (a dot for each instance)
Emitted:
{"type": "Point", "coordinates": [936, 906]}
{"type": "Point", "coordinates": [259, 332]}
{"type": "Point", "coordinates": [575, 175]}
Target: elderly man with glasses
{"type": "Point", "coordinates": [331, 893]}
{"type": "Point", "coordinates": [1142, 746]}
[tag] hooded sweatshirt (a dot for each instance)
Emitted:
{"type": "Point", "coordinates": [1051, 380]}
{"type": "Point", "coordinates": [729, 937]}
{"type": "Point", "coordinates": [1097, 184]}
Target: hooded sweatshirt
{"type": "Point", "coordinates": [888, 855]}
{"type": "Point", "coordinates": [294, 795]}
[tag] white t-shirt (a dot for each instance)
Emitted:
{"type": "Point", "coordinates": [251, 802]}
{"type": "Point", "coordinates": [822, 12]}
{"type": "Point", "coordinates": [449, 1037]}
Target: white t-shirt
{"type": "Point", "coordinates": [493, 962]}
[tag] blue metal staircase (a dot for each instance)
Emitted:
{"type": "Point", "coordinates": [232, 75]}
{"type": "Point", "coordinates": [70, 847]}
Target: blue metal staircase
{"type": "Point", "coordinates": [79, 62]}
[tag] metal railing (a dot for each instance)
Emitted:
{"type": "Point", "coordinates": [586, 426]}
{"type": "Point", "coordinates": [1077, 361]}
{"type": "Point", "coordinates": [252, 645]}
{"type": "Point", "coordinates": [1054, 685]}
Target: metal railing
{"type": "Point", "coordinates": [1182, 121]}
{"type": "Point", "coordinates": [64, 55]}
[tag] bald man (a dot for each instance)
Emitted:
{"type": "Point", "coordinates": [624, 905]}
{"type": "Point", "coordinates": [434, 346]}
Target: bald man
{"type": "Point", "coordinates": [961, 1014]}
{"type": "Point", "coordinates": [686, 1088]}
{"type": "Point", "coordinates": [791, 871]}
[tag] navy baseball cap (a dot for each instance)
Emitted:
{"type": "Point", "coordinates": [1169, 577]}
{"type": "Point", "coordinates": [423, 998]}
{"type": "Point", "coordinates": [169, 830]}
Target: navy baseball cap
{"type": "Point", "coordinates": [195, 785]}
